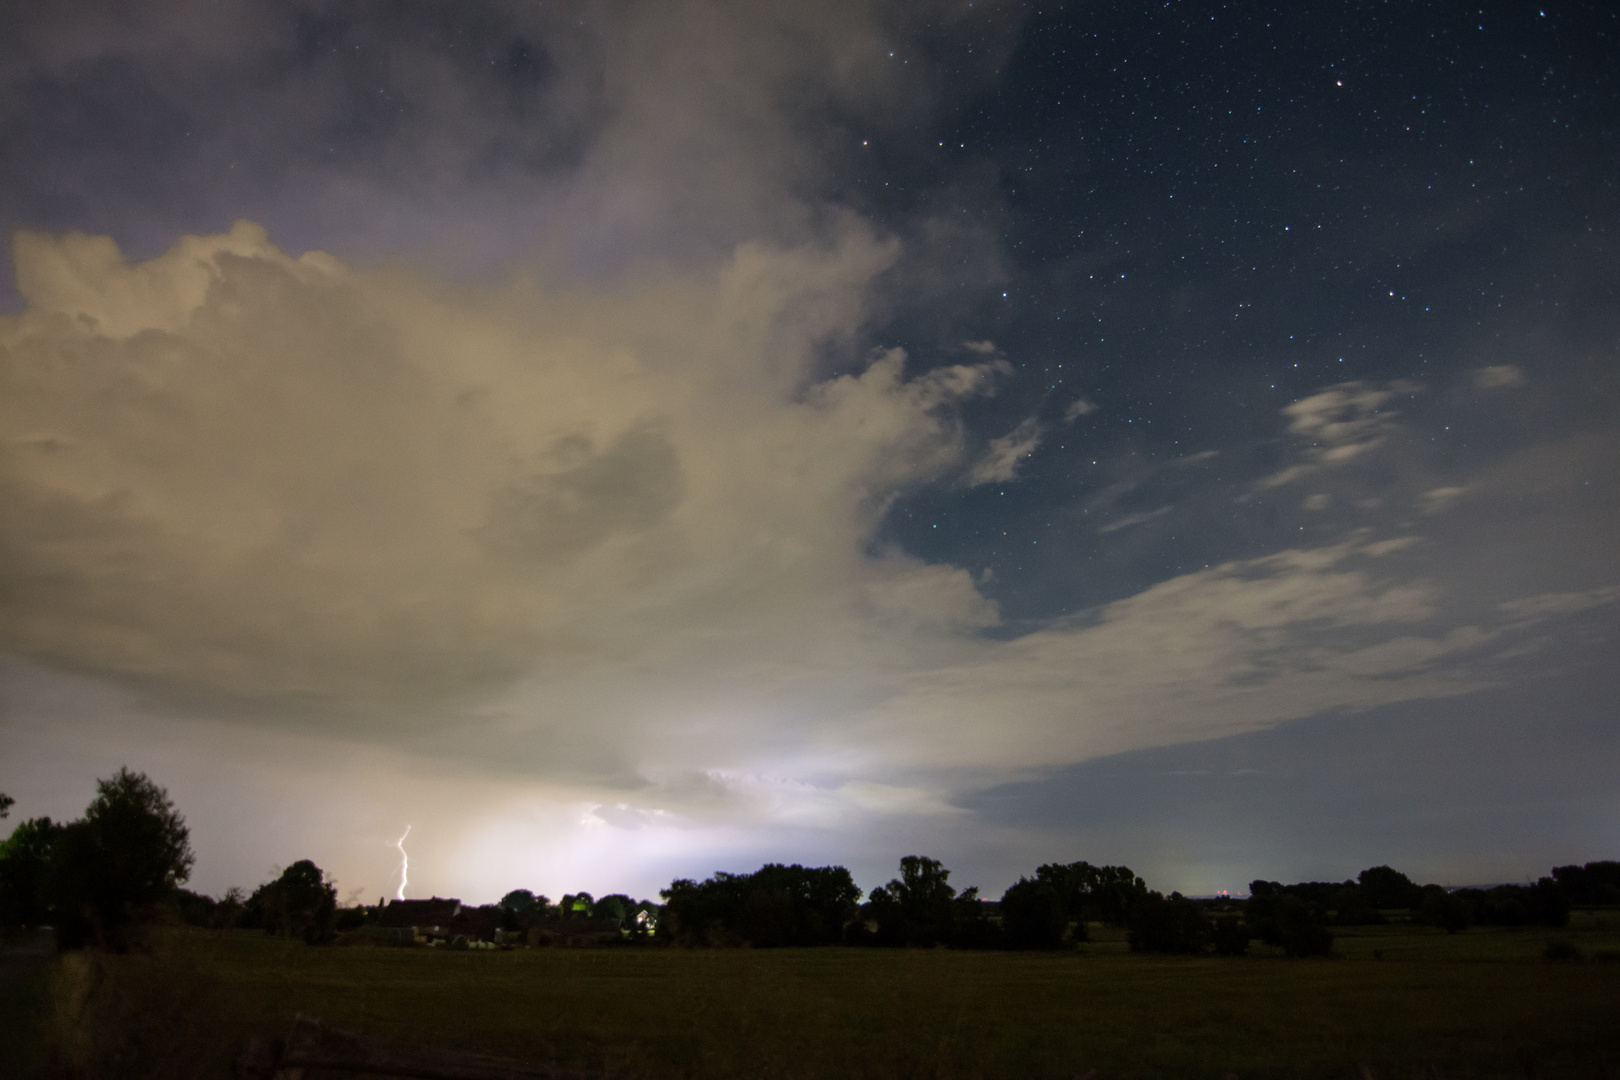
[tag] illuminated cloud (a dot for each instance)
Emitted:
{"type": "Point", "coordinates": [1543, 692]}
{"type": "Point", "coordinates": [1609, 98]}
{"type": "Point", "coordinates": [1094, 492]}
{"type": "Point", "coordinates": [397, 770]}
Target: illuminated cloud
{"type": "Point", "coordinates": [1339, 425]}
{"type": "Point", "coordinates": [1439, 499]}
{"type": "Point", "coordinates": [1498, 377]}
{"type": "Point", "coordinates": [1077, 408]}
{"type": "Point", "coordinates": [1001, 460]}
{"type": "Point", "coordinates": [235, 471]}
{"type": "Point", "coordinates": [1133, 519]}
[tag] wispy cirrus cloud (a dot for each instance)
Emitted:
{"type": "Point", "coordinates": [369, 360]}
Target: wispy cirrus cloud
{"type": "Point", "coordinates": [1005, 453]}
{"type": "Point", "coordinates": [1338, 425]}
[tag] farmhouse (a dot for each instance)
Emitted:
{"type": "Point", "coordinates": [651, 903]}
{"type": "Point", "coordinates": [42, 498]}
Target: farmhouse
{"type": "Point", "coordinates": [428, 918]}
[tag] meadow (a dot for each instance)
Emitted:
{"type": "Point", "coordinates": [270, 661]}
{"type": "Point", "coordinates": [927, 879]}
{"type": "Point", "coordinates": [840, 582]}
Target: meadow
{"type": "Point", "coordinates": [1395, 1001]}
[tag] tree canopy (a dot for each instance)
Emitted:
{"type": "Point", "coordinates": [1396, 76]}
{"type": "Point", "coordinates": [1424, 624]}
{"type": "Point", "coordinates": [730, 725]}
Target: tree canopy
{"type": "Point", "coordinates": [916, 908]}
{"type": "Point", "coordinates": [300, 903]}
{"type": "Point", "coordinates": [25, 866]}
{"type": "Point", "coordinates": [775, 905]}
{"type": "Point", "coordinates": [518, 901]}
{"type": "Point", "coordinates": [111, 868]}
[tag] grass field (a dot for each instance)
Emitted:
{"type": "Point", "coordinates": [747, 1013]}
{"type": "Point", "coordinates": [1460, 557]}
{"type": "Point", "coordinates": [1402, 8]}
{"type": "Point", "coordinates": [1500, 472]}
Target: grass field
{"type": "Point", "coordinates": [1396, 1002]}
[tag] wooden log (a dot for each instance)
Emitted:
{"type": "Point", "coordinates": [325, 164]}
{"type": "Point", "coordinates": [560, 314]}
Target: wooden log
{"type": "Point", "coordinates": [311, 1047]}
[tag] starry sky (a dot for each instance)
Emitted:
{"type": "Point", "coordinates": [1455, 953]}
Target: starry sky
{"type": "Point", "coordinates": [624, 441]}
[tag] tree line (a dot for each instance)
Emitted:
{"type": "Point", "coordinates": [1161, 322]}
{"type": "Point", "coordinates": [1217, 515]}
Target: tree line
{"type": "Point", "coordinates": [98, 879]}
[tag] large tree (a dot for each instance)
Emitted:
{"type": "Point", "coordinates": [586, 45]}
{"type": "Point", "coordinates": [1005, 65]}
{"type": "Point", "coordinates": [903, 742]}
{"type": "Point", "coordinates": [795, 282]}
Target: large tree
{"type": "Point", "coordinates": [300, 903]}
{"type": "Point", "coordinates": [518, 901]}
{"type": "Point", "coordinates": [775, 905]}
{"type": "Point", "coordinates": [1033, 915]}
{"type": "Point", "coordinates": [1385, 887]}
{"type": "Point", "coordinates": [1104, 893]}
{"type": "Point", "coordinates": [25, 863]}
{"type": "Point", "coordinates": [916, 908]}
{"type": "Point", "coordinates": [113, 867]}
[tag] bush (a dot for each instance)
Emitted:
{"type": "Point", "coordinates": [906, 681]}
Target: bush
{"type": "Point", "coordinates": [974, 928]}
{"type": "Point", "coordinates": [1104, 893]}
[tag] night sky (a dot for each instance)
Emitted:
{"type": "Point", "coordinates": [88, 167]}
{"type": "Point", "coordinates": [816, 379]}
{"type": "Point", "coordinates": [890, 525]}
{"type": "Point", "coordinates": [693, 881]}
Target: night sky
{"type": "Point", "coordinates": [624, 441]}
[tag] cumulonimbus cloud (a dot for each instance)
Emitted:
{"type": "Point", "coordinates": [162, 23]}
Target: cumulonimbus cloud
{"type": "Point", "coordinates": [613, 545]}
{"type": "Point", "coordinates": [263, 475]}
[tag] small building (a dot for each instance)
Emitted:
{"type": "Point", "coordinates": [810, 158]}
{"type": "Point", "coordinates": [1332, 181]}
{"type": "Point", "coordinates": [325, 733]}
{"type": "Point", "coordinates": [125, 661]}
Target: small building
{"type": "Point", "coordinates": [428, 918]}
{"type": "Point", "coordinates": [477, 923]}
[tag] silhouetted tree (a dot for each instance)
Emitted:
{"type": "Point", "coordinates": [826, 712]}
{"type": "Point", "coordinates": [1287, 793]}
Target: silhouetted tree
{"type": "Point", "coordinates": [25, 867]}
{"type": "Point", "coordinates": [1033, 915]}
{"type": "Point", "coordinates": [1383, 887]}
{"type": "Point", "coordinates": [1508, 905]}
{"type": "Point", "coordinates": [300, 903]}
{"type": "Point", "coordinates": [1281, 918]}
{"type": "Point", "coordinates": [1103, 893]}
{"type": "Point", "coordinates": [1230, 935]}
{"type": "Point", "coordinates": [617, 907]}
{"type": "Point", "coordinates": [1167, 924]}
{"type": "Point", "coordinates": [775, 905]}
{"type": "Point", "coordinates": [518, 901]}
{"type": "Point", "coordinates": [916, 908]}
{"type": "Point", "coordinates": [110, 870]}
{"type": "Point", "coordinates": [1596, 883]}
{"type": "Point", "coordinates": [1440, 908]}
{"type": "Point", "coordinates": [972, 927]}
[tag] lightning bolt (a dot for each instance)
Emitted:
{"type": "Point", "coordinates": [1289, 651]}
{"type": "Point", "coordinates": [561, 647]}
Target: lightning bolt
{"type": "Point", "coordinates": [404, 864]}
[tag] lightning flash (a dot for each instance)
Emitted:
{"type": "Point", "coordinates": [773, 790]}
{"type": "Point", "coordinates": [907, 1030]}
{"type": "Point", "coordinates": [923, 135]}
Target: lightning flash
{"type": "Point", "coordinates": [404, 864]}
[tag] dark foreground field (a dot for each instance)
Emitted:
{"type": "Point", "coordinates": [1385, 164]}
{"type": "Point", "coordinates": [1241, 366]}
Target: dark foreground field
{"type": "Point", "coordinates": [1396, 1002]}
